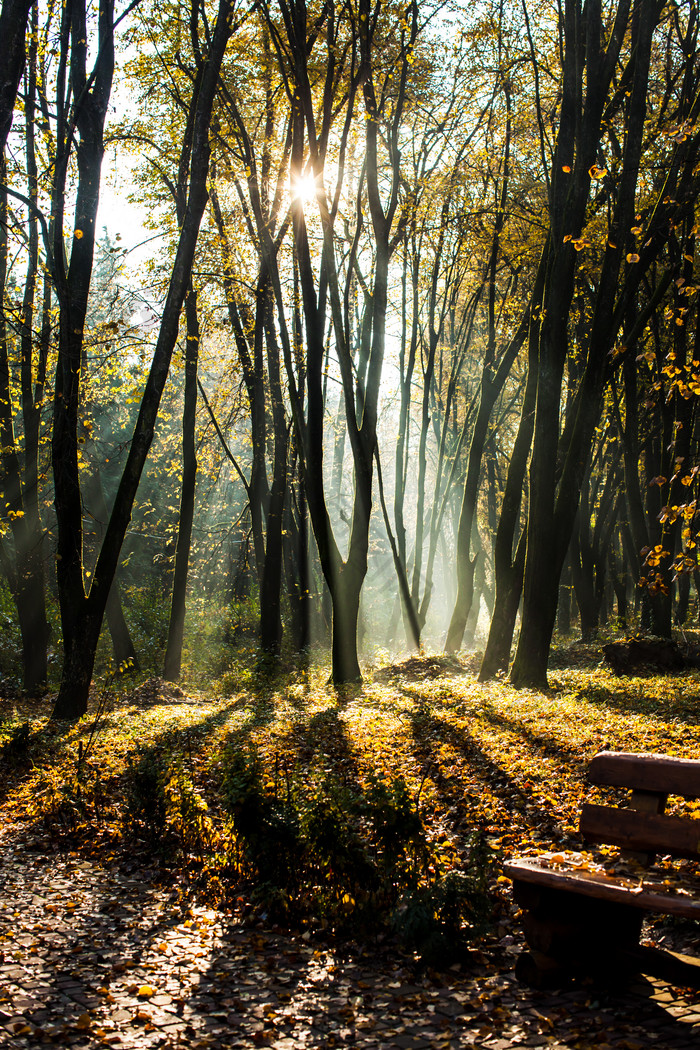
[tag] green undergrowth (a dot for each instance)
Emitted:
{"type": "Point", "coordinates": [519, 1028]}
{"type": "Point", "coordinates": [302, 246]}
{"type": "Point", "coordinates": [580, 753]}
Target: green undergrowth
{"type": "Point", "coordinates": [387, 808]}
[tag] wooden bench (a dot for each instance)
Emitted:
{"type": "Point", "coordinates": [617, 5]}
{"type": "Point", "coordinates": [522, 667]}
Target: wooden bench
{"type": "Point", "coordinates": [582, 917]}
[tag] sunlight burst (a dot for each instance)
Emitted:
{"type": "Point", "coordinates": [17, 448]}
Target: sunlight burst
{"type": "Point", "coordinates": [304, 187]}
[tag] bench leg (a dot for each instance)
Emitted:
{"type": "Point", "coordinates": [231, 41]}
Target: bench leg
{"type": "Point", "coordinates": [575, 935]}
{"type": "Point", "coordinates": [540, 971]}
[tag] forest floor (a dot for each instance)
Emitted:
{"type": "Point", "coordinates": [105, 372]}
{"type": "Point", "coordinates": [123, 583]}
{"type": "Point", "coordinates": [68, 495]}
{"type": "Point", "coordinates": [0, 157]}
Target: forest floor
{"type": "Point", "coordinates": [106, 942]}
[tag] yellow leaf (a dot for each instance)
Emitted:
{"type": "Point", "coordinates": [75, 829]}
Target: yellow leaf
{"type": "Point", "coordinates": [146, 991]}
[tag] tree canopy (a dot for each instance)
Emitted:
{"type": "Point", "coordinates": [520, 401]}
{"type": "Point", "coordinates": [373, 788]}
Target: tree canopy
{"type": "Point", "coordinates": [416, 360]}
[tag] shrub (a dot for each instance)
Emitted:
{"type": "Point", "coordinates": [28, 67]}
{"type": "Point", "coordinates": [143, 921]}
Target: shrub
{"type": "Point", "coordinates": [145, 802]}
{"type": "Point", "coordinates": [432, 917]}
{"type": "Point", "coordinates": [267, 828]}
{"type": "Point", "coordinates": [315, 848]}
{"type": "Point", "coordinates": [187, 814]}
{"type": "Point", "coordinates": [16, 748]}
{"type": "Point", "coordinates": [10, 639]}
{"type": "Point", "coordinates": [163, 807]}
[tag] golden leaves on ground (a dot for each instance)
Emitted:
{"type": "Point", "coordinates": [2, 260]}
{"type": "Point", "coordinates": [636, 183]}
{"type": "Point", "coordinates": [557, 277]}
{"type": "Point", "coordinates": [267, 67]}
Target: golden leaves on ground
{"type": "Point", "coordinates": [510, 762]}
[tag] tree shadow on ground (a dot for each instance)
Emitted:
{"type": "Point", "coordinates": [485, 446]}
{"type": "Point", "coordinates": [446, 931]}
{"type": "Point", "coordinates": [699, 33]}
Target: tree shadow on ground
{"type": "Point", "coordinates": [683, 705]}
{"type": "Point", "coordinates": [427, 730]}
{"type": "Point", "coordinates": [322, 737]}
{"type": "Point", "coordinates": [541, 743]}
{"type": "Point", "coordinates": [83, 781]}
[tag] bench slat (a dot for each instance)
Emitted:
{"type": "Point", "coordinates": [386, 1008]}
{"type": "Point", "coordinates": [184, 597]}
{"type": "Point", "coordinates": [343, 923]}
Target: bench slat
{"type": "Point", "coordinates": [648, 772]}
{"type": "Point", "coordinates": [602, 887]}
{"type": "Point", "coordinates": [635, 830]}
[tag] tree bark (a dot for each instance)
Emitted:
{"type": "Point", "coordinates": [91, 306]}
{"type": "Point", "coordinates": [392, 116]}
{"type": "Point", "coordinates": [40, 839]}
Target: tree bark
{"type": "Point", "coordinates": [13, 31]}
{"type": "Point", "coordinates": [509, 568]}
{"type": "Point", "coordinates": [178, 606]}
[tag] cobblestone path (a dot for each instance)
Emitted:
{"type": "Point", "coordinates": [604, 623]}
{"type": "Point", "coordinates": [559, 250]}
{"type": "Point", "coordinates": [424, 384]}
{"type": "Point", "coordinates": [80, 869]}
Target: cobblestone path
{"type": "Point", "coordinates": [94, 957]}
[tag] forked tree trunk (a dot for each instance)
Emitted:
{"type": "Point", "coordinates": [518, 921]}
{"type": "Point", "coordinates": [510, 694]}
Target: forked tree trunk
{"type": "Point", "coordinates": [345, 595]}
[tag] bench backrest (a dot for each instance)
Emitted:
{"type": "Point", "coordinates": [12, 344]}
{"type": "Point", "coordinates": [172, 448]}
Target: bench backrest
{"type": "Point", "coordinates": [643, 829]}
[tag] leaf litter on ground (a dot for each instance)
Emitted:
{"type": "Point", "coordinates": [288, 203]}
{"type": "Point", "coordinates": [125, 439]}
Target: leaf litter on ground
{"type": "Point", "coordinates": [511, 763]}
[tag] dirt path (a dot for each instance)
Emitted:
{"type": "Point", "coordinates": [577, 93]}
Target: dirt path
{"type": "Point", "coordinates": [94, 956]}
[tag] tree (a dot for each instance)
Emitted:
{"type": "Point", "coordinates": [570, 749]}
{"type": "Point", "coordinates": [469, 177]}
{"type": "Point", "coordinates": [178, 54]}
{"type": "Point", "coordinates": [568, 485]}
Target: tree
{"type": "Point", "coordinates": [384, 107]}
{"type": "Point", "coordinates": [25, 338]}
{"type": "Point", "coordinates": [590, 105]}
{"type": "Point", "coordinates": [81, 612]}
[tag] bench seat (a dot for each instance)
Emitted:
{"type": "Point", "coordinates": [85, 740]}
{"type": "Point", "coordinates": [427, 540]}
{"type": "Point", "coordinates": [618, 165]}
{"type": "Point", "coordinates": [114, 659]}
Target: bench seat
{"type": "Point", "coordinates": [644, 892]}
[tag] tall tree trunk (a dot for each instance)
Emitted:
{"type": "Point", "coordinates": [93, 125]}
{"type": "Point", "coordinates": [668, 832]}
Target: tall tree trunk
{"type": "Point", "coordinates": [509, 568]}
{"type": "Point", "coordinates": [345, 595]}
{"type": "Point", "coordinates": [564, 606]}
{"type": "Point", "coordinates": [24, 565]}
{"type": "Point", "coordinates": [583, 588]}
{"type": "Point", "coordinates": [557, 468]}
{"type": "Point", "coordinates": [176, 626]}
{"type": "Point", "coordinates": [479, 577]}
{"type": "Point", "coordinates": [409, 610]}
{"type": "Point", "coordinates": [19, 469]}
{"type": "Point", "coordinates": [296, 556]}
{"type": "Point", "coordinates": [683, 599]}
{"type": "Point", "coordinates": [270, 592]}
{"type": "Point", "coordinates": [493, 380]}
{"type": "Point", "coordinates": [125, 655]}
{"type": "Point", "coordinates": [619, 580]}
{"type": "Point", "coordinates": [509, 587]}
